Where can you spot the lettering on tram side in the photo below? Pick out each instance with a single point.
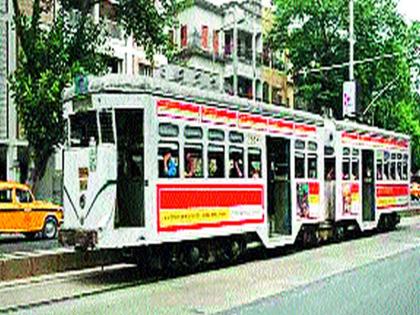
(190, 207)
(392, 196)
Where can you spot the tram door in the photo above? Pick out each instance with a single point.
(368, 185)
(130, 176)
(279, 186)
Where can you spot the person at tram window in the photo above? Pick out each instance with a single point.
(213, 170)
(255, 171)
(169, 165)
(236, 167)
(191, 165)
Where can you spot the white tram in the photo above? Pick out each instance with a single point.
(149, 162)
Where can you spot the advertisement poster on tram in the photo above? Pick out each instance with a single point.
(351, 198)
(307, 200)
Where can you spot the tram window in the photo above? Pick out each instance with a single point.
(379, 170)
(355, 169)
(329, 170)
(312, 146)
(405, 171)
(328, 151)
(346, 151)
(216, 135)
(236, 137)
(193, 132)
(386, 165)
(386, 170)
(83, 127)
(346, 169)
(300, 145)
(168, 159)
(193, 160)
(107, 130)
(299, 165)
(355, 152)
(254, 163)
(216, 160)
(392, 171)
(168, 130)
(312, 166)
(399, 170)
(236, 164)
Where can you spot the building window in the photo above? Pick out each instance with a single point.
(204, 36)
(216, 42)
(145, 70)
(115, 65)
(171, 37)
(184, 36)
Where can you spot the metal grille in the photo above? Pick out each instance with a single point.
(107, 130)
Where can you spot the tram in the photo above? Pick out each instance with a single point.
(150, 163)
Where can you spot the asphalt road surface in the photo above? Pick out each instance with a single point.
(379, 274)
(10, 243)
(388, 286)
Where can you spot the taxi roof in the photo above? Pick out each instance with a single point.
(10, 184)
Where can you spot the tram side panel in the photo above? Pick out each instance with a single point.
(373, 177)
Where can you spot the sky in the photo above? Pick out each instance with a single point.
(409, 8)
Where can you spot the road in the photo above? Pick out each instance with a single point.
(372, 275)
(389, 286)
(18, 243)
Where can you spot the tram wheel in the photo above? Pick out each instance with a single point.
(339, 233)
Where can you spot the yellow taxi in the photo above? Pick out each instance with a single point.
(21, 213)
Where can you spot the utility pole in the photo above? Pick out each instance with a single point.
(235, 55)
(351, 41)
(349, 87)
(254, 55)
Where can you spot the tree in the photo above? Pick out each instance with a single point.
(315, 33)
(52, 53)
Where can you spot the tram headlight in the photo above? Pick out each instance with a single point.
(82, 201)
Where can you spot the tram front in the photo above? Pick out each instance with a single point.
(90, 174)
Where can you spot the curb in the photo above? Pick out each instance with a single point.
(25, 267)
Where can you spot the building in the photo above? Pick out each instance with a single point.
(128, 58)
(12, 149)
(227, 40)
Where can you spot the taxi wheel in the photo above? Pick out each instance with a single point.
(50, 228)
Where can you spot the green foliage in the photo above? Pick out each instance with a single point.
(148, 20)
(50, 56)
(315, 33)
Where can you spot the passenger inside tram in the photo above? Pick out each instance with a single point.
(193, 165)
(169, 165)
(236, 167)
(255, 170)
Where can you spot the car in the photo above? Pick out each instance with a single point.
(21, 213)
